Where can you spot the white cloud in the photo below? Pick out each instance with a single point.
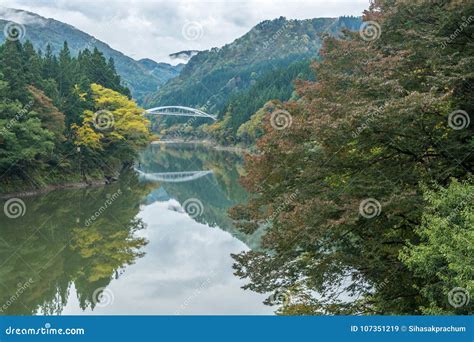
(153, 29)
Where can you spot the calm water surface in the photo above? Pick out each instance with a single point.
(158, 241)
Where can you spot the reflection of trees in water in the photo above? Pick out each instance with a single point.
(217, 192)
(52, 245)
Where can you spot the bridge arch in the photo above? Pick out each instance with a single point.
(179, 111)
(173, 177)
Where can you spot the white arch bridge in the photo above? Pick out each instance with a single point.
(173, 177)
(179, 111)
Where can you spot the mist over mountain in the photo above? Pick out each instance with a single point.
(141, 77)
(184, 55)
(212, 76)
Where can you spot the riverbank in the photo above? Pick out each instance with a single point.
(52, 187)
(208, 143)
(33, 184)
(39, 185)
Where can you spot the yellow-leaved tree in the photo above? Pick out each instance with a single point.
(110, 133)
(116, 121)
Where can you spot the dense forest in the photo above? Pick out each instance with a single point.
(141, 77)
(360, 176)
(212, 75)
(229, 129)
(237, 79)
(63, 118)
(364, 180)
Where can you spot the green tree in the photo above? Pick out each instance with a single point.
(40, 99)
(13, 70)
(339, 189)
(444, 255)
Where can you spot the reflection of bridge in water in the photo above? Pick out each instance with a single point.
(173, 177)
(179, 111)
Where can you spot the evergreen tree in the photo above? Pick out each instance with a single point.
(40, 99)
(13, 70)
(32, 64)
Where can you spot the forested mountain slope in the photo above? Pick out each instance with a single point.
(63, 119)
(212, 76)
(43, 31)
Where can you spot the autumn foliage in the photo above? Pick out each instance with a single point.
(376, 127)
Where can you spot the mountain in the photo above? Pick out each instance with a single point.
(162, 71)
(211, 77)
(141, 77)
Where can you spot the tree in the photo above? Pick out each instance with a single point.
(13, 70)
(51, 118)
(23, 141)
(339, 189)
(114, 130)
(443, 257)
(40, 99)
(32, 64)
(65, 73)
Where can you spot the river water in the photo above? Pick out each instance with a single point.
(158, 241)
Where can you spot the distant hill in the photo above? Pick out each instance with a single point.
(162, 71)
(211, 77)
(142, 77)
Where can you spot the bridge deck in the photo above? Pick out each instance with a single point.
(179, 111)
(174, 177)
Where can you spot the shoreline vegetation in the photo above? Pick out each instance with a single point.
(53, 187)
(34, 191)
(368, 182)
(361, 173)
(210, 143)
(101, 181)
(64, 121)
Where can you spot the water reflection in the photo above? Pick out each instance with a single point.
(217, 186)
(142, 250)
(51, 247)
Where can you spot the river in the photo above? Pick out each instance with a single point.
(157, 241)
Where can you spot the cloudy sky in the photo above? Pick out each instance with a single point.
(156, 28)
